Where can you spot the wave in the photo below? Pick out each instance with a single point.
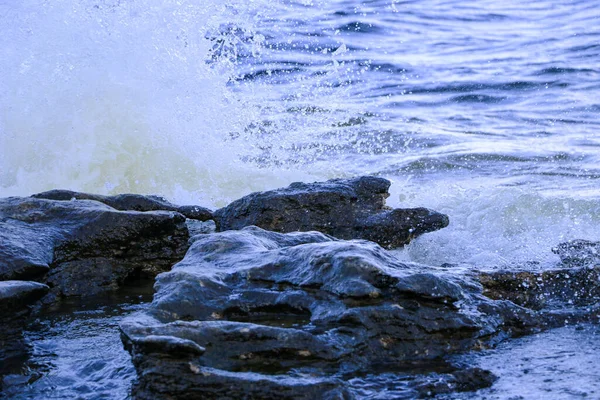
(495, 226)
(113, 97)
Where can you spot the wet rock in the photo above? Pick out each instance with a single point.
(275, 315)
(547, 289)
(579, 253)
(22, 256)
(84, 247)
(16, 297)
(133, 202)
(471, 379)
(421, 383)
(466, 380)
(344, 208)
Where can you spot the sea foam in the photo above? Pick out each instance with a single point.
(113, 97)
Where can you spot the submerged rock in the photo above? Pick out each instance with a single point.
(130, 202)
(344, 208)
(259, 314)
(84, 247)
(570, 289)
(467, 380)
(16, 297)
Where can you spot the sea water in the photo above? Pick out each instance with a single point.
(484, 110)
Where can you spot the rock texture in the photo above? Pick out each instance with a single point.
(344, 208)
(16, 296)
(258, 314)
(15, 299)
(130, 202)
(84, 247)
(544, 290)
(74, 248)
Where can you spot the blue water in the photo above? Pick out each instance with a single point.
(501, 90)
(485, 110)
(559, 364)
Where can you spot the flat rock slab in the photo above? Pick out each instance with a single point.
(259, 314)
(130, 202)
(344, 208)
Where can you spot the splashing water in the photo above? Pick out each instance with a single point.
(116, 97)
(497, 226)
(204, 103)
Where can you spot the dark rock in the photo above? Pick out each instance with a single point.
(22, 256)
(127, 202)
(420, 382)
(579, 253)
(471, 379)
(169, 345)
(545, 289)
(289, 315)
(344, 208)
(84, 247)
(16, 297)
(466, 380)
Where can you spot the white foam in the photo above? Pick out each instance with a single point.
(113, 97)
(491, 225)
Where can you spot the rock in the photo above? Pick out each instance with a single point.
(16, 296)
(126, 202)
(344, 208)
(446, 380)
(578, 253)
(259, 314)
(472, 379)
(467, 380)
(546, 289)
(84, 247)
(15, 299)
(22, 256)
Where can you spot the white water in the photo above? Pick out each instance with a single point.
(130, 96)
(497, 226)
(118, 97)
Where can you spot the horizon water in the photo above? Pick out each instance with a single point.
(486, 111)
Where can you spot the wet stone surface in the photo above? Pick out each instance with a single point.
(266, 315)
(254, 313)
(130, 202)
(84, 247)
(344, 208)
(16, 299)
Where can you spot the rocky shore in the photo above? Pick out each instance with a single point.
(289, 293)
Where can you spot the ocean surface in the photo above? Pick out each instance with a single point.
(485, 110)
